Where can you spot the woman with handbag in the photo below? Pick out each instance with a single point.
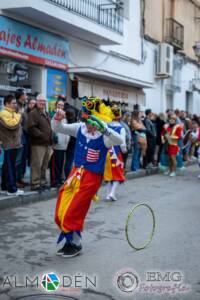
(139, 141)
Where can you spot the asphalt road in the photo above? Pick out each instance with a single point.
(28, 245)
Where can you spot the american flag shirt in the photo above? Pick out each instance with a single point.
(90, 153)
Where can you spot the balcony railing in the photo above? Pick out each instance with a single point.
(174, 34)
(105, 15)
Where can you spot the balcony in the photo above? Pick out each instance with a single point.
(174, 34)
(103, 14)
(101, 24)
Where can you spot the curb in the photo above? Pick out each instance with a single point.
(7, 202)
(30, 197)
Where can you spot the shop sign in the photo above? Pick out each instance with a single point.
(11, 88)
(29, 43)
(114, 93)
(56, 85)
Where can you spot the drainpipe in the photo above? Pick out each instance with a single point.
(162, 81)
(163, 21)
(163, 96)
(172, 9)
(142, 30)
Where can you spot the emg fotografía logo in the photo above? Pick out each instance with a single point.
(157, 282)
(127, 281)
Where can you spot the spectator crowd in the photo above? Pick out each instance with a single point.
(166, 140)
(28, 142)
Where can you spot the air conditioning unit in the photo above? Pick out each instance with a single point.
(196, 84)
(164, 61)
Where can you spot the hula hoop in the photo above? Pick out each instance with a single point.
(131, 213)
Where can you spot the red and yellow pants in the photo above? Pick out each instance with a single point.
(114, 171)
(74, 199)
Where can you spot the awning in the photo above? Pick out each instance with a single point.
(111, 77)
(88, 86)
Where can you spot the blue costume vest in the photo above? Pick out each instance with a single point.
(117, 149)
(91, 154)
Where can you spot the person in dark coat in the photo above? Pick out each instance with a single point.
(40, 138)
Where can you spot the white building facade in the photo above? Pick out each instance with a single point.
(180, 91)
(87, 47)
(103, 49)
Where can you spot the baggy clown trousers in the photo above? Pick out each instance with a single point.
(74, 199)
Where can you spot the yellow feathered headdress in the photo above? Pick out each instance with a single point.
(95, 106)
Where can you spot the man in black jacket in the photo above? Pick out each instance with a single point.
(151, 139)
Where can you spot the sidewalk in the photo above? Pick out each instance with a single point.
(32, 197)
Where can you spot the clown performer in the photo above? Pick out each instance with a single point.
(171, 133)
(93, 139)
(114, 169)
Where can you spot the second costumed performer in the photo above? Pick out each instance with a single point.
(93, 139)
(114, 169)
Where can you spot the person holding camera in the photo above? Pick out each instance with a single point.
(60, 143)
